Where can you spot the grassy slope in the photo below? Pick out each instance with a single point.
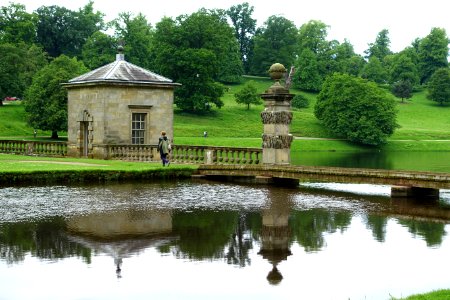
(234, 125)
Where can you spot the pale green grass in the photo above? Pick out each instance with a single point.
(435, 295)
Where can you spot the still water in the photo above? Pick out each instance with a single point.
(203, 240)
(412, 161)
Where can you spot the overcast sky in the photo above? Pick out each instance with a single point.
(357, 20)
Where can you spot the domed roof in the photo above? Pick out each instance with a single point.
(121, 71)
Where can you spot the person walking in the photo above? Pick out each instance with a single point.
(164, 148)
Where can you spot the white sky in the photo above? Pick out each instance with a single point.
(357, 20)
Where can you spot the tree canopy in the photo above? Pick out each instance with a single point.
(197, 51)
(356, 109)
(46, 99)
(439, 86)
(248, 95)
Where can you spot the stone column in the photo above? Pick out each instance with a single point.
(277, 117)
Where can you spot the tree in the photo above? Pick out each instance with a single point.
(375, 71)
(402, 68)
(402, 89)
(137, 35)
(356, 109)
(46, 99)
(380, 49)
(433, 53)
(16, 25)
(62, 31)
(244, 29)
(18, 63)
(98, 50)
(194, 50)
(307, 76)
(248, 95)
(439, 86)
(274, 42)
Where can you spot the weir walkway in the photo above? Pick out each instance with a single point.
(403, 183)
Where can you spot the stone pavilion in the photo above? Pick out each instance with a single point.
(117, 104)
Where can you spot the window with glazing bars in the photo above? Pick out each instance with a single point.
(138, 128)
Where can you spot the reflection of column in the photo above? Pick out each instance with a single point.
(275, 233)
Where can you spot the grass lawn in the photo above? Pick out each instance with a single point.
(425, 125)
(10, 163)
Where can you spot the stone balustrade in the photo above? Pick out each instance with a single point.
(33, 147)
(132, 152)
(215, 155)
(179, 153)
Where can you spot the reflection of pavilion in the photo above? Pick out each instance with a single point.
(121, 234)
(275, 234)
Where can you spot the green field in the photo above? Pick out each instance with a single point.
(424, 125)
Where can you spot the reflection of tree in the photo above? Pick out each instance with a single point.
(431, 232)
(44, 239)
(242, 240)
(308, 226)
(203, 234)
(378, 226)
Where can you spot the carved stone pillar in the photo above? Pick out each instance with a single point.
(277, 117)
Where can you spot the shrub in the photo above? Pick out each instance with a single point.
(300, 101)
(356, 109)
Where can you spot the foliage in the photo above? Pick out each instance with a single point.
(274, 42)
(439, 86)
(16, 25)
(380, 48)
(433, 53)
(307, 76)
(137, 36)
(248, 95)
(18, 64)
(98, 50)
(402, 89)
(244, 29)
(300, 101)
(375, 71)
(403, 68)
(62, 31)
(355, 109)
(195, 51)
(46, 99)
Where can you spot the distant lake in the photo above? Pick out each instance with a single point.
(203, 240)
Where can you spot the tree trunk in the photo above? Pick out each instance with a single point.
(54, 135)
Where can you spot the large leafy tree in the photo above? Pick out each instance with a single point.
(307, 77)
(375, 71)
(381, 47)
(244, 29)
(194, 50)
(46, 99)
(439, 86)
(99, 50)
(16, 25)
(433, 53)
(18, 63)
(274, 42)
(62, 31)
(137, 35)
(403, 68)
(356, 109)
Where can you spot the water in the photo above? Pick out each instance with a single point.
(203, 240)
(413, 161)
